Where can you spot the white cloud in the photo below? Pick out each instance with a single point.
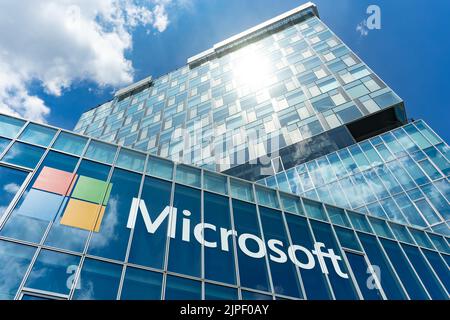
(56, 43)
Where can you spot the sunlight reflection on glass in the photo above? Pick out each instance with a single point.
(251, 70)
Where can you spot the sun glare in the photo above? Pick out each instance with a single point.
(252, 71)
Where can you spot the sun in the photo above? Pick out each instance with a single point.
(251, 70)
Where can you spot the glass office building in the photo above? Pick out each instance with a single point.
(401, 175)
(275, 165)
(287, 86)
(85, 219)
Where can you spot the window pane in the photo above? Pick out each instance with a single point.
(98, 281)
(156, 197)
(284, 275)
(160, 168)
(401, 233)
(185, 256)
(241, 190)
(188, 175)
(37, 134)
(381, 228)
(112, 237)
(44, 197)
(101, 152)
(249, 295)
(291, 204)
(24, 155)
(404, 271)
(313, 279)
(360, 271)
(3, 144)
(219, 262)
(69, 235)
(182, 289)
(141, 285)
(14, 262)
(314, 210)
(338, 216)
(215, 182)
(424, 272)
(10, 182)
(389, 282)
(267, 197)
(70, 143)
(253, 271)
(342, 287)
(359, 221)
(347, 238)
(131, 160)
(215, 292)
(53, 271)
(439, 267)
(9, 127)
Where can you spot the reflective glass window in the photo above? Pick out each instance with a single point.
(252, 270)
(69, 235)
(10, 182)
(389, 281)
(43, 199)
(14, 262)
(188, 175)
(314, 280)
(439, 267)
(10, 127)
(132, 160)
(219, 261)
(59, 270)
(38, 134)
(3, 144)
(24, 155)
(401, 233)
(160, 168)
(284, 275)
(314, 209)
(424, 272)
(98, 281)
(267, 197)
(70, 143)
(215, 292)
(141, 284)
(439, 242)
(381, 228)
(182, 289)
(405, 272)
(112, 237)
(291, 204)
(100, 151)
(215, 182)
(155, 199)
(338, 216)
(185, 253)
(360, 271)
(250, 295)
(342, 286)
(347, 238)
(359, 221)
(421, 238)
(241, 190)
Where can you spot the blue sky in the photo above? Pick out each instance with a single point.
(410, 52)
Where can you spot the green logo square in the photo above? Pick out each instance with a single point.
(92, 190)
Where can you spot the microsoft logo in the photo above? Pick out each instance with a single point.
(86, 198)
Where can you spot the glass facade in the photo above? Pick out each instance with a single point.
(79, 225)
(142, 213)
(401, 175)
(291, 81)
